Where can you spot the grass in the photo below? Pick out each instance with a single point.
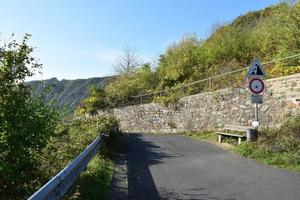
(94, 182)
(286, 160)
(205, 135)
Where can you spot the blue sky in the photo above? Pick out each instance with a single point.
(81, 39)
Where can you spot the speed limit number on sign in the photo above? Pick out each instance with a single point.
(256, 85)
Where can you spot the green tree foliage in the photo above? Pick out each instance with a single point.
(96, 100)
(26, 124)
(278, 34)
(72, 137)
(34, 144)
(179, 62)
(268, 34)
(120, 91)
(228, 46)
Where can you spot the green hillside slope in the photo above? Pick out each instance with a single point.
(66, 93)
(268, 34)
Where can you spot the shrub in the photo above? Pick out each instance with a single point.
(280, 70)
(171, 98)
(285, 138)
(277, 146)
(74, 136)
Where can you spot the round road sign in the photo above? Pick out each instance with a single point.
(256, 85)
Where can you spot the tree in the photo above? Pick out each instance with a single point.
(141, 80)
(278, 35)
(127, 61)
(179, 62)
(95, 101)
(26, 123)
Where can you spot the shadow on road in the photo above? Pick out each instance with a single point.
(141, 155)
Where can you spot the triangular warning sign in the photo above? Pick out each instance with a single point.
(256, 69)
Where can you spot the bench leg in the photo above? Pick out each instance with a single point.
(239, 140)
(220, 138)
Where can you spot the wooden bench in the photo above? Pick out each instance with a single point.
(228, 128)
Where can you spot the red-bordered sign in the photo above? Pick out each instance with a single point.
(256, 85)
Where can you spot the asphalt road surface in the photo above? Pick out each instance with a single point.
(175, 167)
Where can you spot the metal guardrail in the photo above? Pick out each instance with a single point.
(57, 187)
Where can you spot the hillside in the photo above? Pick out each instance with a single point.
(267, 34)
(66, 93)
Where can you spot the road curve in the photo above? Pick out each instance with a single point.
(175, 167)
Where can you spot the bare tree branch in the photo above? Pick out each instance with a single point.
(127, 61)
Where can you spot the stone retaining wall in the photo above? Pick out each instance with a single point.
(215, 109)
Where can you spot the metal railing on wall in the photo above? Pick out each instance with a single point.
(58, 186)
(143, 98)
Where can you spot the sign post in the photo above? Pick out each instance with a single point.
(255, 78)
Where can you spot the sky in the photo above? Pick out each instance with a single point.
(82, 38)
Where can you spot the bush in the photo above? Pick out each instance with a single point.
(171, 98)
(73, 137)
(285, 138)
(94, 183)
(246, 149)
(279, 70)
(120, 92)
(278, 146)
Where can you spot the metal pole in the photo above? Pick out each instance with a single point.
(256, 114)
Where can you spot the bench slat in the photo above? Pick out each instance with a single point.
(233, 128)
(236, 128)
(230, 134)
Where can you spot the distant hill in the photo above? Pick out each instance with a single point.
(66, 93)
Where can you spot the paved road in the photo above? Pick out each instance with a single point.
(175, 167)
